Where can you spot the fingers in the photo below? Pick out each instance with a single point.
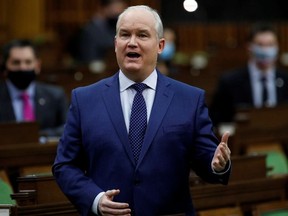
(107, 206)
(219, 163)
(225, 151)
(222, 155)
(225, 137)
(111, 193)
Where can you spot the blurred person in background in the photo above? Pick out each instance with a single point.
(166, 57)
(22, 98)
(259, 84)
(97, 38)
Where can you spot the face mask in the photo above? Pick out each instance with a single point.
(21, 79)
(168, 52)
(264, 54)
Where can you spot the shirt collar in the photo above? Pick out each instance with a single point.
(150, 81)
(15, 92)
(255, 73)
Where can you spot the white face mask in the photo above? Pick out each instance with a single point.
(168, 51)
(264, 54)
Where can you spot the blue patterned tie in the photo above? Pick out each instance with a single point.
(264, 91)
(138, 120)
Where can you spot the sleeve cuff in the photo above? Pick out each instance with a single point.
(96, 202)
(226, 169)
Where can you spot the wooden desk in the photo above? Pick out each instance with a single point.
(257, 126)
(13, 133)
(39, 195)
(27, 155)
(16, 158)
(242, 193)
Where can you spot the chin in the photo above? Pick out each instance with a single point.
(132, 68)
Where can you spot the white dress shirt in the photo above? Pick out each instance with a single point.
(256, 85)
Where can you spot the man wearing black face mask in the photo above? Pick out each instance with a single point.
(24, 99)
(97, 37)
(259, 84)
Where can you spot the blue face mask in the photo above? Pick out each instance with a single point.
(264, 54)
(168, 52)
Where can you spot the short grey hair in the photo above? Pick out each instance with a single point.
(158, 23)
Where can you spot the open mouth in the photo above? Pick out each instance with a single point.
(133, 55)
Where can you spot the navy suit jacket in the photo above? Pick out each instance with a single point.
(234, 92)
(50, 105)
(94, 153)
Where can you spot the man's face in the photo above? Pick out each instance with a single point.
(137, 45)
(22, 59)
(264, 49)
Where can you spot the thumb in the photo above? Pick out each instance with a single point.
(225, 137)
(111, 193)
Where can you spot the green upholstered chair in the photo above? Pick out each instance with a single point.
(6, 190)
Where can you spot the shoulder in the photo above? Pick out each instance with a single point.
(181, 88)
(49, 87)
(95, 87)
(282, 73)
(235, 75)
(50, 91)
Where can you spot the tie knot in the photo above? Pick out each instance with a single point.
(263, 79)
(139, 87)
(24, 96)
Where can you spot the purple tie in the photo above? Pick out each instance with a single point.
(138, 120)
(28, 113)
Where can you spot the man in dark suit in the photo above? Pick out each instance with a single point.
(109, 162)
(96, 40)
(45, 103)
(259, 84)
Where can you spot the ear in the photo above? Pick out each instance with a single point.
(161, 45)
(38, 66)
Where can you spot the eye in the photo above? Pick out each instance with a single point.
(124, 34)
(16, 62)
(143, 35)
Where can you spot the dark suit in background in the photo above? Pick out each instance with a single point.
(47, 104)
(259, 84)
(50, 107)
(234, 92)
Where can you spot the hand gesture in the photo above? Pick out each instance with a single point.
(107, 206)
(222, 154)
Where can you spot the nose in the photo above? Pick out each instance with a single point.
(23, 66)
(132, 41)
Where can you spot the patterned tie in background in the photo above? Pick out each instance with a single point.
(264, 92)
(28, 112)
(138, 120)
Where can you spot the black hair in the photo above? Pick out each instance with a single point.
(21, 43)
(257, 28)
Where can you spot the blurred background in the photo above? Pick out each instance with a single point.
(209, 40)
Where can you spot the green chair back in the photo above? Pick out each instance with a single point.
(5, 193)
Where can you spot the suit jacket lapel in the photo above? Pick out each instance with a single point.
(280, 83)
(161, 103)
(112, 101)
(247, 87)
(39, 102)
(6, 109)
